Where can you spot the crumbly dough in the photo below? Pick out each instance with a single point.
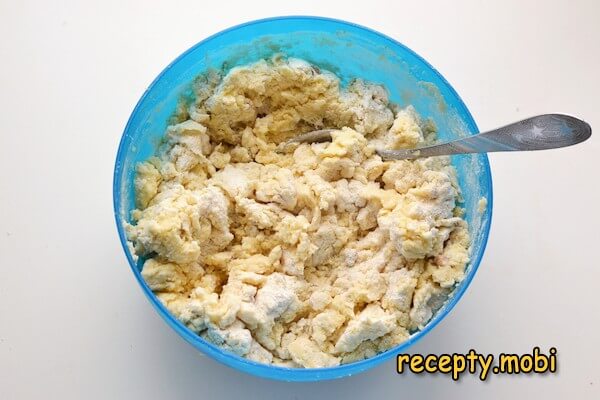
(309, 256)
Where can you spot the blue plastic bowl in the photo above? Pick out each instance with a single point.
(349, 51)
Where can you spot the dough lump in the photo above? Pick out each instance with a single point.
(301, 256)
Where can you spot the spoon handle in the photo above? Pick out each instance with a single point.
(542, 132)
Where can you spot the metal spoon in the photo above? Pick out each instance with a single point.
(542, 132)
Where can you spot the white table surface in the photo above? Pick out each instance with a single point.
(73, 322)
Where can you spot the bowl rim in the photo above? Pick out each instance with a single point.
(278, 372)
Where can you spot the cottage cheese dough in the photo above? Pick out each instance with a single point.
(302, 257)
